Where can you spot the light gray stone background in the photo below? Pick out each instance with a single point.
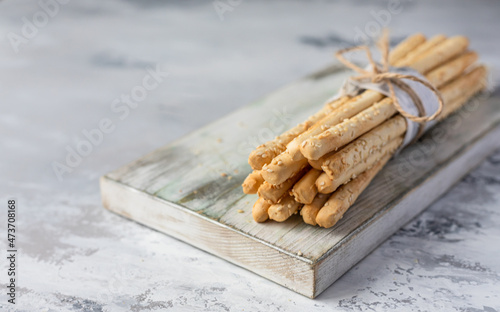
(61, 77)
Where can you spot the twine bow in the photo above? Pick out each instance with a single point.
(383, 75)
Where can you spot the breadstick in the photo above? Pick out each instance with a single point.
(274, 193)
(451, 69)
(264, 153)
(259, 210)
(284, 209)
(317, 163)
(360, 149)
(338, 203)
(252, 182)
(305, 189)
(419, 50)
(405, 47)
(455, 104)
(327, 185)
(348, 130)
(439, 54)
(291, 161)
(310, 211)
(459, 86)
(349, 109)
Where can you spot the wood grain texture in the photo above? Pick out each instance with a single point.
(190, 189)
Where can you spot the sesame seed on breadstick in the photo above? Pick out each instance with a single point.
(284, 209)
(252, 182)
(274, 193)
(317, 163)
(305, 189)
(341, 200)
(310, 211)
(259, 210)
(264, 153)
(360, 149)
(348, 130)
(327, 185)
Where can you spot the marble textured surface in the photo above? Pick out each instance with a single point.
(63, 79)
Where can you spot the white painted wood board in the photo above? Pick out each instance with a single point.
(180, 190)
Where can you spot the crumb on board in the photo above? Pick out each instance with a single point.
(299, 253)
(219, 140)
(240, 211)
(235, 171)
(180, 191)
(195, 192)
(223, 174)
(229, 177)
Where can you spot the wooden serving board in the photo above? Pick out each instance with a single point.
(181, 189)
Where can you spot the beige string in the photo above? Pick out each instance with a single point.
(378, 74)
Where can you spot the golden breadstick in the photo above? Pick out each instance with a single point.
(455, 104)
(326, 185)
(338, 203)
(348, 130)
(252, 182)
(310, 211)
(264, 153)
(259, 210)
(291, 161)
(305, 189)
(284, 209)
(441, 53)
(349, 109)
(359, 150)
(451, 69)
(460, 85)
(274, 193)
(405, 47)
(419, 50)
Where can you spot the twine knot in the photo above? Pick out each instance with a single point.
(378, 74)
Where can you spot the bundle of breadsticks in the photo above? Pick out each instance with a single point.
(321, 166)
